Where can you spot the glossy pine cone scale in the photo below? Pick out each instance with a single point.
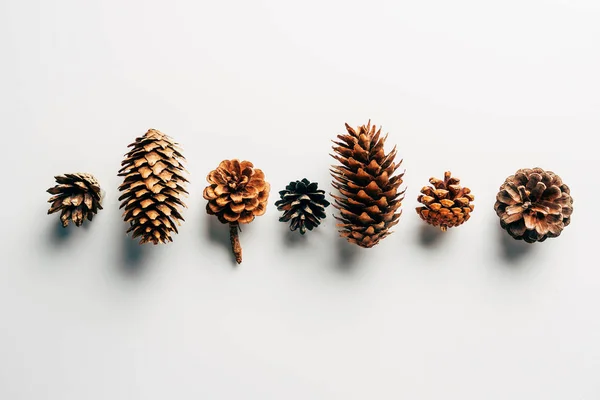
(237, 192)
(445, 204)
(534, 205)
(369, 199)
(77, 196)
(303, 205)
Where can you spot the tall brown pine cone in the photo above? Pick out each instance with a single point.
(237, 193)
(445, 204)
(153, 187)
(369, 198)
(534, 205)
(77, 196)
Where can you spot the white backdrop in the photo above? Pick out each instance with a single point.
(480, 88)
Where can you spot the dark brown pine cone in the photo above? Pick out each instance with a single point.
(303, 205)
(445, 204)
(534, 205)
(77, 196)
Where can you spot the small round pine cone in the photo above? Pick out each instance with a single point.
(445, 204)
(237, 194)
(534, 205)
(77, 196)
(303, 205)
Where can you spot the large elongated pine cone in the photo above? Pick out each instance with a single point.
(369, 198)
(237, 193)
(534, 205)
(445, 204)
(153, 187)
(77, 196)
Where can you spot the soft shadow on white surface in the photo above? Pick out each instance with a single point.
(431, 237)
(57, 234)
(133, 256)
(293, 239)
(514, 252)
(348, 256)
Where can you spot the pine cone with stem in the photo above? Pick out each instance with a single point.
(153, 187)
(77, 196)
(534, 205)
(236, 194)
(369, 198)
(445, 204)
(303, 205)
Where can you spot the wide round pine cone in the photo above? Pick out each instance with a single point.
(153, 186)
(237, 192)
(445, 204)
(77, 196)
(303, 205)
(369, 198)
(534, 205)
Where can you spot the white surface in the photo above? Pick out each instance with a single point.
(478, 87)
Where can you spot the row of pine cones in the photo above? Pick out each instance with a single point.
(532, 205)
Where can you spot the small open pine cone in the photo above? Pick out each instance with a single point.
(303, 205)
(236, 194)
(77, 196)
(534, 205)
(445, 204)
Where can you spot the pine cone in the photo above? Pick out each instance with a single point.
(534, 205)
(369, 193)
(153, 187)
(303, 204)
(78, 196)
(237, 194)
(445, 204)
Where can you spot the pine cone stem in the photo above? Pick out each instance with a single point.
(235, 242)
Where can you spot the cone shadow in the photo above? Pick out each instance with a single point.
(133, 255)
(430, 236)
(218, 233)
(58, 234)
(293, 238)
(347, 255)
(513, 250)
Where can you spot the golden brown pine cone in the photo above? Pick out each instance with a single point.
(77, 196)
(237, 193)
(153, 187)
(369, 198)
(534, 205)
(445, 204)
